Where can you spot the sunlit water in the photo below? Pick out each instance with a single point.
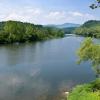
(41, 70)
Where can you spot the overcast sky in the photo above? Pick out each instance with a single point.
(48, 11)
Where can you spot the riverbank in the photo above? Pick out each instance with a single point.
(89, 91)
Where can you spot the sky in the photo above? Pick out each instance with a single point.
(48, 11)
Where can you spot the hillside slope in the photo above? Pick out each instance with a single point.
(90, 28)
(15, 31)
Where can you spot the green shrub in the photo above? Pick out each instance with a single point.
(86, 92)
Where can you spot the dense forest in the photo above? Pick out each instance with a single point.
(15, 31)
(90, 28)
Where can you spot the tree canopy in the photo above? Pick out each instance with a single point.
(89, 51)
(15, 31)
(95, 5)
(90, 28)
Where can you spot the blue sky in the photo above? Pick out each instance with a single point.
(48, 11)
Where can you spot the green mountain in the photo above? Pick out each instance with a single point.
(68, 28)
(65, 25)
(90, 28)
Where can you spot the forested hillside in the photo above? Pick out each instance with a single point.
(15, 31)
(90, 28)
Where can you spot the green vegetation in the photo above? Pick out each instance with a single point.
(86, 92)
(14, 31)
(89, 29)
(69, 30)
(89, 51)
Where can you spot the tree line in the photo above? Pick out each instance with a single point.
(89, 29)
(16, 31)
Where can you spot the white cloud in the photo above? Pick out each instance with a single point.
(84, 15)
(41, 16)
(76, 14)
(64, 16)
(13, 16)
(30, 11)
(56, 15)
(26, 14)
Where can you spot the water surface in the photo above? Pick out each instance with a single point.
(41, 70)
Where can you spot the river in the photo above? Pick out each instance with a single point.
(41, 70)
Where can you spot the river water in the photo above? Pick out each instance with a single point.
(41, 70)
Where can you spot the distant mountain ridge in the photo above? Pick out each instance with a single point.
(65, 25)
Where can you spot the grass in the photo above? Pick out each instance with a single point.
(86, 92)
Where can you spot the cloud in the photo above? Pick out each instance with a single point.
(56, 15)
(26, 14)
(42, 16)
(79, 14)
(33, 11)
(64, 16)
(76, 14)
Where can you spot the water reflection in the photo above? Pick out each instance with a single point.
(41, 70)
(22, 86)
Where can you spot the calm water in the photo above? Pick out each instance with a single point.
(41, 70)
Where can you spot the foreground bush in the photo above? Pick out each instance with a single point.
(86, 92)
